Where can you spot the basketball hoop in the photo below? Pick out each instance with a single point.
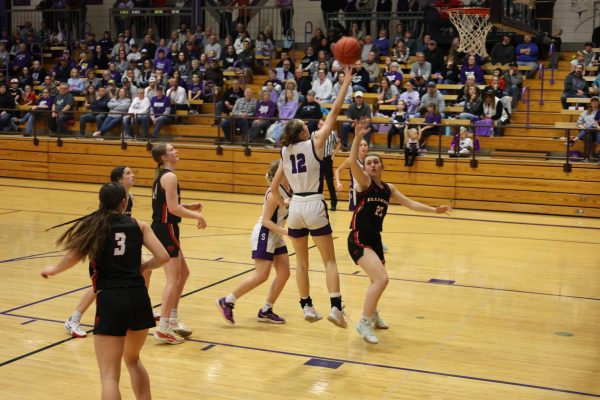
(473, 26)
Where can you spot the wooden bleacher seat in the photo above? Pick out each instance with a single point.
(450, 86)
(454, 109)
(578, 100)
(566, 125)
(571, 112)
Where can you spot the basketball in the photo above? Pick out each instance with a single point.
(347, 50)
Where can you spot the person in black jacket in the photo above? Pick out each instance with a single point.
(228, 100)
(7, 106)
(303, 83)
(331, 6)
(310, 111)
(503, 52)
(575, 86)
(98, 109)
(360, 79)
(435, 57)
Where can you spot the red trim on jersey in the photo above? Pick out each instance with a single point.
(173, 237)
(357, 240)
(165, 213)
(357, 209)
(94, 276)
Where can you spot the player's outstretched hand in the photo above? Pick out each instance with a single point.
(443, 210)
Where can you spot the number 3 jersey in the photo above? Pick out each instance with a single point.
(118, 264)
(302, 167)
(371, 208)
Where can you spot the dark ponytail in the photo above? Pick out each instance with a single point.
(87, 235)
(117, 173)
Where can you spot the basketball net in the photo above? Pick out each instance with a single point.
(472, 30)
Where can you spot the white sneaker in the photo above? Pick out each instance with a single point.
(74, 329)
(365, 330)
(182, 329)
(167, 337)
(378, 322)
(384, 247)
(336, 317)
(311, 315)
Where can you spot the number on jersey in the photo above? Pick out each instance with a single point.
(120, 248)
(379, 211)
(298, 163)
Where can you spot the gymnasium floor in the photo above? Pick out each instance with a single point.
(480, 305)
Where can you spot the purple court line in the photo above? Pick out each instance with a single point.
(394, 367)
(46, 299)
(43, 319)
(29, 256)
(28, 322)
(389, 213)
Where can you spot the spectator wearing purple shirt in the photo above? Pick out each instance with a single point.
(264, 112)
(162, 63)
(22, 58)
(160, 112)
(114, 74)
(434, 118)
(471, 68)
(411, 98)
(394, 76)
(383, 43)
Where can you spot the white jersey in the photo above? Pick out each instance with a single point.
(266, 244)
(281, 213)
(352, 191)
(302, 167)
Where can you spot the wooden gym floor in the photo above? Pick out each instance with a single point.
(480, 305)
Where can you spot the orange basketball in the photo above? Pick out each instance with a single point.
(347, 50)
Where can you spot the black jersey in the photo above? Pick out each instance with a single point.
(160, 213)
(118, 264)
(371, 207)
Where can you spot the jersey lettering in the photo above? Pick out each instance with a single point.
(120, 239)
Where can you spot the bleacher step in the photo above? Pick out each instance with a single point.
(518, 154)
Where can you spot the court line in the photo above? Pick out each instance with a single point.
(46, 299)
(10, 212)
(399, 368)
(29, 256)
(389, 213)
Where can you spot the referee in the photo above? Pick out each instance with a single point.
(332, 147)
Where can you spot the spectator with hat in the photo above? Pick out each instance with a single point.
(590, 58)
(130, 88)
(150, 90)
(134, 53)
(356, 112)
(513, 79)
(433, 96)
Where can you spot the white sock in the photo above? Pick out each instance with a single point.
(174, 314)
(336, 294)
(266, 307)
(230, 298)
(367, 320)
(163, 324)
(76, 316)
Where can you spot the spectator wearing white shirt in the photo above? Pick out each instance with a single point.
(322, 87)
(178, 96)
(139, 105)
(213, 45)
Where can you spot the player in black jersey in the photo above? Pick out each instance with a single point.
(124, 176)
(166, 214)
(364, 240)
(113, 243)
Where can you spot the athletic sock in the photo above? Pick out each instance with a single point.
(173, 318)
(367, 320)
(305, 301)
(163, 324)
(76, 316)
(230, 298)
(336, 300)
(174, 314)
(266, 307)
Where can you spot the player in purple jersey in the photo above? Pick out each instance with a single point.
(364, 241)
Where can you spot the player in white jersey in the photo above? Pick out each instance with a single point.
(362, 153)
(268, 249)
(302, 166)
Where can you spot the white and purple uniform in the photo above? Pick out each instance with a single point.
(352, 190)
(304, 172)
(267, 244)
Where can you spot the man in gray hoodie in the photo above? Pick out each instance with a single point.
(434, 96)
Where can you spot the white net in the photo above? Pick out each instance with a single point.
(472, 30)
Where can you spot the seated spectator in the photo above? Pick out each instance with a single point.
(50, 85)
(336, 89)
(76, 84)
(214, 73)
(387, 95)
(310, 111)
(61, 72)
(22, 58)
(398, 120)
(84, 65)
(229, 58)
(464, 93)
(242, 110)
(264, 45)
(161, 79)
(497, 73)
(434, 119)
(15, 91)
(62, 110)
(7, 106)
(228, 100)
(575, 86)
(285, 72)
(590, 58)
(322, 87)
(140, 105)
(357, 111)
(421, 67)
(4, 56)
(264, 113)
(114, 73)
(196, 87)
(400, 52)
(588, 125)
(98, 107)
(308, 58)
(134, 54)
(117, 106)
(162, 63)
(28, 98)
(493, 108)
(37, 73)
(372, 67)
(433, 96)
(527, 55)
(435, 57)
(495, 87)
(160, 113)
(394, 75)
(286, 111)
(100, 59)
(277, 83)
(367, 47)
(383, 43)
(513, 82)
(289, 85)
(450, 74)
(322, 65)
(303, 83)
(121, 62)
(37, 112)
(214, 46)
(177, 96)
(471, 68)
(183, 65)
(285, 57)
(578, 60)
(360, 79)
(464, 147)
(411, 98)
(503, 52)
(473, 105)
(247, 60)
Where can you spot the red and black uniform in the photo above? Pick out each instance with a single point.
(122, 301)
(164, 224)
(367, 221)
